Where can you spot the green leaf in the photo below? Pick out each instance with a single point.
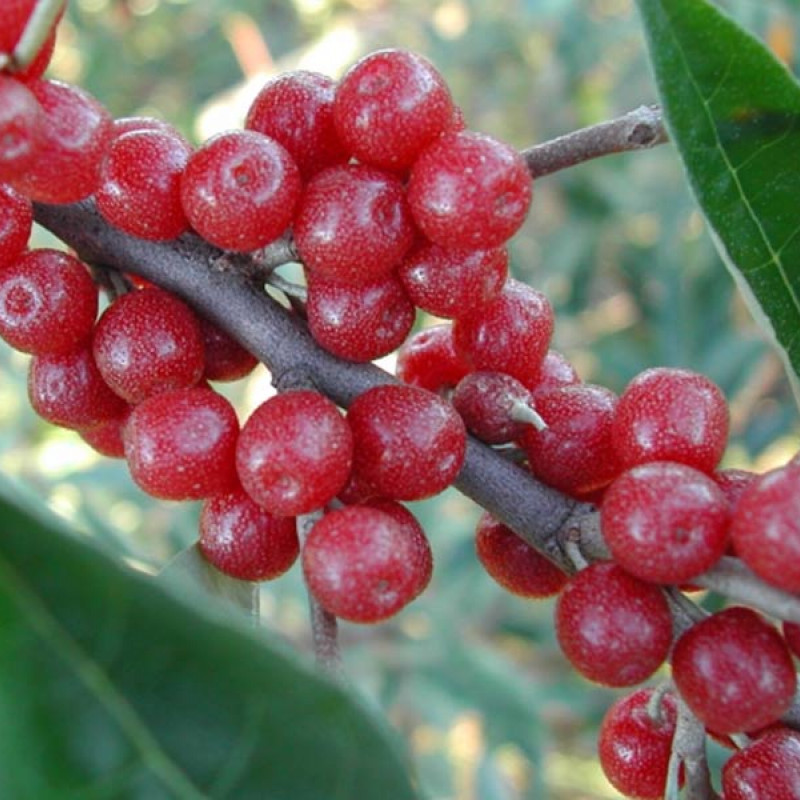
(112, 687)
(189, 569)
(733, 111)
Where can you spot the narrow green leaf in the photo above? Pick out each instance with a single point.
(733, 111)
(189, 568)
(113, 688)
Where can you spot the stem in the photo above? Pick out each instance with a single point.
(639, 129)
(281, 341)
(689, 749)
(36, 31)
(522, 412)
(324, 628)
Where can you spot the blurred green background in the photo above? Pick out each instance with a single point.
(470, 675)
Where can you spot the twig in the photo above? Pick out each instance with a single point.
(689, 750)
(639, 129)
(37, 29)
(324, 628)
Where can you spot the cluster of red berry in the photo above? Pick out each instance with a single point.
(394, 205)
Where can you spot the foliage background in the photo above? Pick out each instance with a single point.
(470, 675)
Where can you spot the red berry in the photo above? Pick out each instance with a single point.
(635, 746)
(48, 303)
(668, 414)
(296, 110)
(16, 222)
(513, 563)
(76, 131)
(68, 390)
(243, 540)
(140, 184)
(123, 125)
(21, 121)
(767, 769)
(361, 564)
(734, 671)
(239, 190)
(615, 629)
(408, 443)
(733, 483)
(492, 405)
(665, 522)
(765, 530)
(358, 323)
(453, 283)
(428, 359)
(294, 453)
(181, 445)
(148, 341)
(225, 359)
(468, 190)
(353, 224)
(106, 436)
(573, 453)
(421, 555)
(510, 334)
(554, 372)
(389, 106)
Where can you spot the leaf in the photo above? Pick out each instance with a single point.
(113, 688)
(733, 111)
(189, 568)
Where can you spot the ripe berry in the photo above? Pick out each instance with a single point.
(635, 746)
(513, 563)
(21, 120)
(239, 190)
(767, 768)
(225, 359)
(668, 414)
(358, 323)
(106, 436)
(791, 635)
(361, 564)
(75, 134)
(243, 540)
(734, 671)
(16, 222)
(468, 190)
(148, 341)
(296, 110)
(765, 530)
(494, 406)
(554, 372)
(353, 224)
(180, 445)
(408, 443)
(453, 283)
(615, 629)
(733, 483)
(48, 303)
(573, 453)
(140, 183)
(665, 522)
(68, 390)
(510, 334)
(428, 359)
(389, 106)
(422, 556)
(294, 453)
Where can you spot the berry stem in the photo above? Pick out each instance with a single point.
(689, 749)
(324, 628)
(38, 28)
(639, 129)
(522, 412)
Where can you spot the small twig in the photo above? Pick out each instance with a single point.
(276, 254)
(37, 29)
(522, 412)
(689, 750)
(639, 129)
(324, 628)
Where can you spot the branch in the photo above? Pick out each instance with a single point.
(189, 267)
(639, 129)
